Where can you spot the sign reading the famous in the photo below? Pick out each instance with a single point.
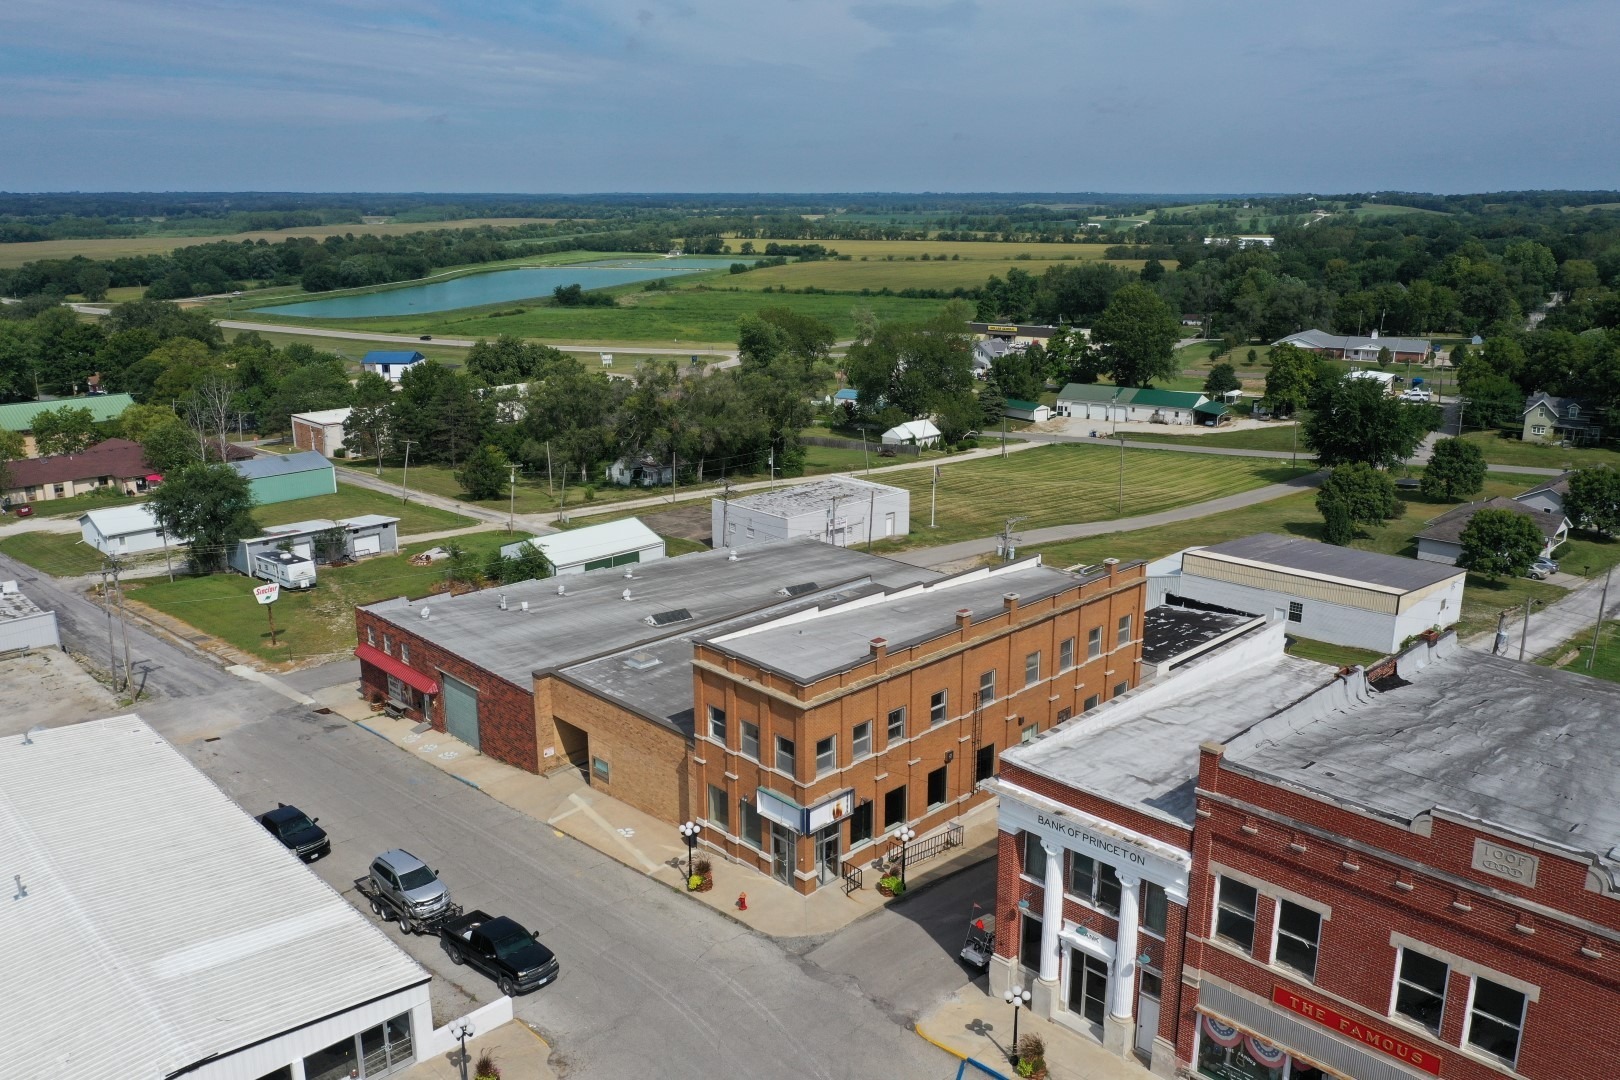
(1399, 1049)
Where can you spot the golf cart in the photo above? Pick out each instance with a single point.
(981, 941)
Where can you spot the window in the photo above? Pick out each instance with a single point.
(1066, 654)
(1094, 882)
(1234, 913)
(371, 636)
(937, 708)
(750, 739)
(984, 764)
(1420, 988)
(860, 743)
(1029, 942)
(601, 768)
(894, 807)
(1092, 702)
(405, 651)
(717, 725)
(1122, 635)
(1032, 669)
(987, 687)
(897, 725)
(1299, 929)
(1121, 689)
(1538, 429)
(388, 645)
(1034, 857)
(1296, 611)
(826, 755)
(719, 809)
(938, 786)
(753, 829)
(784, 756)
(1155, 908)
(1031, 730)
(1094, 643)
(1496, 1019)
(860, 823)
(398, 691)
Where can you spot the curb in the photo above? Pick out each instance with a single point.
(957, 1054)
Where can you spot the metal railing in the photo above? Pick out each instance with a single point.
(852, 879)
(929, 846)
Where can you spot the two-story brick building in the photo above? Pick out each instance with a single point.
(823, 731)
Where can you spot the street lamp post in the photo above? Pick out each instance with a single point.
(1017, 999)
(689, 835)
(906, 835)
(463, 1030)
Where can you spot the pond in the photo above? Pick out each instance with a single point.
(494, 287)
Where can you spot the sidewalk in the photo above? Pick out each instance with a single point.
(519, 1053)
(972, 1024)
(566, 803)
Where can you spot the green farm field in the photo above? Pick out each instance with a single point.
(977, 250)
(877, 274)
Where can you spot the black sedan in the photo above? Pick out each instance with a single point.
(297, 831)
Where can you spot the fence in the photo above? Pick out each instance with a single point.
(873, 447)
(929, 846)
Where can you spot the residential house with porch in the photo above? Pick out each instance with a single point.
(1549, 419)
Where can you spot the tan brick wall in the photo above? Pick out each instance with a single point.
(650, 766)
(309, 436)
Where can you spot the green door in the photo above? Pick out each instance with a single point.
(460, 710)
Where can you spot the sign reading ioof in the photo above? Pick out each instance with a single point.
(1505, 862)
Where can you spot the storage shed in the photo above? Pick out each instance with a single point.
(122, 530)
(596, 547)
(278, 478)
(841, 511)
(370, 534)
(912, 433)
(1033, 411)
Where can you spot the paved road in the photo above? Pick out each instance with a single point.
(1551, 626)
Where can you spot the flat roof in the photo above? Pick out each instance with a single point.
(815, 496)
(1142, 749)
(825, 639)
(257, 468)
(14, 603)
(1346, 564)
(162, 925)
(1168, 631)
(596, 541)
(591, 618)
(1530, 749)
(323, 416)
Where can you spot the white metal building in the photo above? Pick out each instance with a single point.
(1327, 593)
(156, 930)
(23, 623)
(596, 547)
(912, 433)
(368, 534)
(320, 431)
(839, 510)
(122, 530)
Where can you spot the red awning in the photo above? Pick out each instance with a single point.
(403, 672)
(154, 478)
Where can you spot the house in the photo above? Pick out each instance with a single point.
(1342, 595)
(320, 540)
(595, 547)
(1441, 541)
(278, 478)
(986, 352)
(1033, 411)
(1127, 404)
(1193, 318)
(912, 433)
(320, 431)
(115, 465)
(1021, 334)
(215, 953)
(23, 623)
(122, 530)
(1549, 419)
(1359, 349)
(1243, 240)
(839, 510)
(642, 471)
(847, 396)
(19, 416)
(1548, 497)
(390, 363)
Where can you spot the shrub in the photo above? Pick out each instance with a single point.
(893, 883)
(485, 1068)
(590, 493)
(702, 868)
(694, 882)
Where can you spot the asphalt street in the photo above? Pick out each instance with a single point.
(652, 985)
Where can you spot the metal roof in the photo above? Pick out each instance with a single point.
(596, 541)
(392, 356)
(1321, 339)
(121, 520)
(815, 497)
(19, 416)
(323, 416)
(1345, 564)
(281, 464)
(161, 925)
(1104, 393)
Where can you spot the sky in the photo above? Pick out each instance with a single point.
(809, 95)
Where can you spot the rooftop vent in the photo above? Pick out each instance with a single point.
(503, 601)
(665, 618)
(625, 595)
(733, 556)
(627, 574)
(523, 605)
(562, 590)
(641, 661)
(425, 612)
(798, 590)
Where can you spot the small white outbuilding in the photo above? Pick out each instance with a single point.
(912, 433)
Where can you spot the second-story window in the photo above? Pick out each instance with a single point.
(1066, 654)
(860, 741)
(371, 636)
(1094, 882)
(784, 756)
(1299, 933)
(826, 755)
(897, 725)
(717, 725)
(405, 651)
(750, 739)
(1420, 988)
(1234, 913)
(987, 687)
(1496, 1019)
(388, 645)
(1122, 633)
(938, 706)
(1094, 643)
(1032, 669)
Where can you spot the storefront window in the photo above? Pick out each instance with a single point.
(753, 833)
(1229, 1053)
(336, 1062)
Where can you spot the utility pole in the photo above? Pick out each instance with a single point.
(1524, 630)
(674, 479)
(1007, 538)
(871, 517)
(511, 501)
(725, 514)
(1603, 605)
(123, 624)
(933, 497)
(1004, 432)
(106, 602)
(1501, 632)
(550, 491)
(404, 492)
(865, 456)
(1119, 510)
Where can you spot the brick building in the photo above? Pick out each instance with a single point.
(1410, 872)
(822, 731)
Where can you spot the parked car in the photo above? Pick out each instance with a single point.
(298, 832)
(502, 949)
(1416, 394)
(1542, 569)
(401, 886)
(24, 511)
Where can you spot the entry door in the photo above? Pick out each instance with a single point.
(782, 853)
(1147, 1013)
(460, 710)
(827, 854)
(1088, 986)
(888, 525)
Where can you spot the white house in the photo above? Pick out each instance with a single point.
(1441, 541)
(320, 431)
(643, 471)
(1548, 497)
(596, 547)
(912, 433)
(838, 510)
(1323, 592)
(122, 530)
(1101, 401)
(155, 929)
(390, 363)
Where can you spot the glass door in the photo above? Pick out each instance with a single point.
(782, 852)
(1088, 986)
(827, 862)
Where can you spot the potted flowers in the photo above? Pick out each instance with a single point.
(485, 1068)
(1031, 1057)
(702, 879)
(890, 885)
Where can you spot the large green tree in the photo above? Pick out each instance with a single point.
(1367, 494)
(1500, 543)
(1222, 380)
(1137, 334)
(510, 359)
(1291, 379)
(914, 367)
(210, 507)
(65, 430)
(485, 474)
(1593, 502)
(1456, 470)
(1355, 420)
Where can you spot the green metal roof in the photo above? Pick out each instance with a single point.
(1021, 405)
(1095, 392)
(20, 415)
(1211, 408)
(1175, 399)
(1103, 393)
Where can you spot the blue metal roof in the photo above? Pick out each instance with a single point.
(392, 356)
(847, 394)
(281, 464)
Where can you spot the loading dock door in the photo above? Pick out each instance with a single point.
(460, 710)
(367, 545)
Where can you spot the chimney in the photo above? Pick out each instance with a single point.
(1112, 564)
(880, 651)
(964, 616)
(1009, 602)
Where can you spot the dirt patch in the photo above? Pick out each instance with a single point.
(687, 522)
(48, 687)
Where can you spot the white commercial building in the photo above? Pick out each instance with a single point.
(1323, 592)
(23, 623)
(596, 547)
(122, 530)
(839, 510)
(321, 431)
(156, 930)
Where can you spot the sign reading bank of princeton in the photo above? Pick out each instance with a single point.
(1333, 1020)
(1121, 854)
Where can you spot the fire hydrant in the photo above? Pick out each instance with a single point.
(742, 901)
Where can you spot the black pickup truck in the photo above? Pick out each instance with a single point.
(500, 948)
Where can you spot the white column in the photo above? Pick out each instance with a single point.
(1051, 912)
(1124, 974)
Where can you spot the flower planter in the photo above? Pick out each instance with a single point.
(884, 890)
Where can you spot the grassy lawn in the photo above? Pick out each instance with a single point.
(351, 501)
(57, 554)
(1272, 437)
(1324, 652)
(315, 623)
(680, 545)
(1513, 451)
(55, 508)
(1606, 665)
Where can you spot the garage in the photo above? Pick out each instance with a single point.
(367, 545)
(460, 710)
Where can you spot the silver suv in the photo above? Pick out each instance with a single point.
(408, 886)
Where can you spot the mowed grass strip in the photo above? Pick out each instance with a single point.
(57, 554)
(352, 501)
